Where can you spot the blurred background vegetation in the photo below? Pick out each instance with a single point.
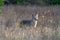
(30, 2)
(1, 2)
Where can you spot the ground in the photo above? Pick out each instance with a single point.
(48, 27)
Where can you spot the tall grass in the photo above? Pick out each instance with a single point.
(43, 31)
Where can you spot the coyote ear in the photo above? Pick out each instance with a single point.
(32, 15)
(36, 16)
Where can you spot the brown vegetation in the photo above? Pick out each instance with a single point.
(47, 27)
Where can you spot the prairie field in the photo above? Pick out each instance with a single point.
(48, 26)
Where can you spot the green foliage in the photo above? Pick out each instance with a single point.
(54, 2)
(33, 2)
(40, 2)
(21, 2)
(1, 2)
(25, 2)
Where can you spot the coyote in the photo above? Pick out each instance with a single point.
(32, 22)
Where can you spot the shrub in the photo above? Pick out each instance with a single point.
(33, 2)
(1, 2)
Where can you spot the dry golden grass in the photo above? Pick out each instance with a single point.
(47, 27)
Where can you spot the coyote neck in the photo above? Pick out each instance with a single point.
(36, 20)
(35, 24)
